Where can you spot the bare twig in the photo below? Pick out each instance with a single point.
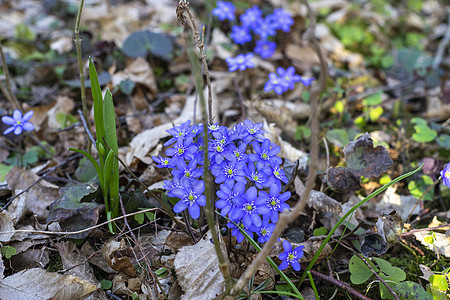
(8, 90)
(442, 45)
(342, 285)
(287, 217)
(86, 127)
(80, 65)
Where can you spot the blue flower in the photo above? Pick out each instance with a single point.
(278, 85)
(182, 150)
(162, 162)
(306, 81)
(228, 201)
(178, 132)
(258, 177)
(241, 62)
(224, 10)
(229, 172)
(233, 153)
(265, 154)
(275, 201)
(252, 208)
(289, 76)
(264, 28)
(276, 176)
(18, 122)
(190, 172)
(191, 197)
(265, 49)
(290, 257)
(265, 231)
(240, 34)
(253, 131)
(237, 232)
(281, 19)
(251, 17)
(216, 152)
(445, 173)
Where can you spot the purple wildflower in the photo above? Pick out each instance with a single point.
(241, 62)
(18, 122)
(265, 49)
(224, 10)
(290, 257)
(445, 174)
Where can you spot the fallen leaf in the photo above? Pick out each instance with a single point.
(39, 197)
(72, 256)
(440, 245)
(6, 225)
(119, 257)
(71, 213)
(37, 283)
(317, 200)
(342, 179)
(31, 258)
(197, 269)
(365, 160)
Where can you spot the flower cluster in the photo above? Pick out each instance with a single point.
(18, 122)
(252, 20)
(244, 164)
(284, 80)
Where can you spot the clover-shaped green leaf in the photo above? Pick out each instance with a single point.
(359, 271)
(409, 290)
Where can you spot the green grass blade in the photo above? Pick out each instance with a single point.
(92, 160)
(98, 101)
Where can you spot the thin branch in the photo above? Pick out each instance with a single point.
(86, 127)
(342, 285)
(287, 217)
(442, 46)
(8, 90)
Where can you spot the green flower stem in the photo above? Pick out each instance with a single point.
(341, 220)
(313, 285)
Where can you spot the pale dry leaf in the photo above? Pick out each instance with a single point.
(197, 269)
(317, 200)
(64, 105)
(120, 257)
(145, 141)
(39, 197)
(401, 203)
(2, 268)
(96, 258)
(18, 207)
(6, 227)
(38, 284)
(441, 245)
(138, 71)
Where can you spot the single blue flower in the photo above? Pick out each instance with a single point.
(276, 176)
(290, 257)
(264, 231)
(182, 150)
(237, 232)
(252, 208)
(18, 122)
(241, 62)
(216, 152)
(178, 132)
(258, 177)
(281, 19)
(264, 28)
(251, 17)
(229, 172)
(224, 11)
(265, 154)
(445, 174)
(307, 81)
(253, 131)
(277, 84)
(240, 34)
(170, 185)
(265, 49)
(228, 201)
(233, 153)
(190, 172)
(191, 197)
(275, 201)
(162, 162)
(289, 76)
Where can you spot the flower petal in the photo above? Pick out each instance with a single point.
(180, 206)
(18, 130)
(8, 120)
(17, 115)
(27, 116)
(9, 130)
(28, 126)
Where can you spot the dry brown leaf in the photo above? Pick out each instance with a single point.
(138, 71)
(198, 270)
(39, 197)
(37, 284)
(318, 200)
(72, 256)
(63, 105)
(119, 257)
(31, 258)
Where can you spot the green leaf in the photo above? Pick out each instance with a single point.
(411, 291)
(443, 141)
(86, 171)
(418, 187)
(98, 101)
(107, 170)
(106, 284)
(141, 43)
(139, 218)
(161, 272)
(392, 273)
(440, 281)
(4, 170)
(424, 134)
(8, 251)
(127, 86)
(373, 100)
(302, 132)
(93, 162)
(375, 113)
(65, 120)
(320, 231)
(429, 239)
(338, 137)
(360, 273)
(23, 32)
